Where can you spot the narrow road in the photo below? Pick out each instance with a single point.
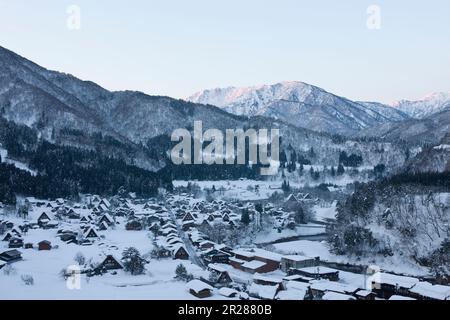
(193, 256)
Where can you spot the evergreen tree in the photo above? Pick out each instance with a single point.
(132, 261)
(283, 159)
(182, 274)
(285, 186)
(301, 169)
(340, 170)
(245, 217)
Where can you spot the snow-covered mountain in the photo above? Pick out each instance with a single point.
(52, 101)
(427, 106)
(60, 107)
(302, 105)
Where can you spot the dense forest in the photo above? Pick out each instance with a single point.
(386, 216)
(65, 171)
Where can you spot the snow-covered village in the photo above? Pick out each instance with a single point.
(181, 246)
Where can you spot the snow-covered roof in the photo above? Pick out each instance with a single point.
(206, 242)
(107, 216)
(394, 280)
(297, 258)
(267, 255)
(177, 247)
(295, 277)
(260, 277)
(318, 270)
(333, 286)
(227, 292)
(168, 225)
(233, 259)
(426, 289)
(336, 296)
(106, 202)
(254, 264)
(297, 285)
(264, 292)
(363, 293)
(216, 267)
(243, 253)
(396, 297)
(102, 207)
(197, 286)
(291, 294)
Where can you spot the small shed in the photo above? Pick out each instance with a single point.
(199, 289)
(44, 245)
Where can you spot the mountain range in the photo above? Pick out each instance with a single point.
(65, 110)
(425, 107)
(308, 106)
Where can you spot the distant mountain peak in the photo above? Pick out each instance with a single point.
(428, 105)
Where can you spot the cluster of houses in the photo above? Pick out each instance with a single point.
(277, 276)
(13, 235)
(177, 226)
(204, 214)
(305, 278)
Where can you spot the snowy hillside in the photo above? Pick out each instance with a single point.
(429, 130)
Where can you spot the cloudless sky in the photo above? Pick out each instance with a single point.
(176, 48)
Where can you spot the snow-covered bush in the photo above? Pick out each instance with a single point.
(27, 279)
(80, 259)
(9, 270)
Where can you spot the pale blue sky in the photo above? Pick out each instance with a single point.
(175, 48)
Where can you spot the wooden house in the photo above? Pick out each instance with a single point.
(318, 273)
(133, 225)
(110, 263)
(365, 295)
(44, 245)
(106, 218)
(15, 242)
(28, 245)
(219, 276)
(428, 291)
(180, 253)
(102, 226)
(187, 225)
(188, 217)
(216, 256)
(319, 288)
(386, 285)
(43, 219)
(7, 236)
(91, 233)
(10, 256)
(297, 262)
(199, 289)
(204, 245)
